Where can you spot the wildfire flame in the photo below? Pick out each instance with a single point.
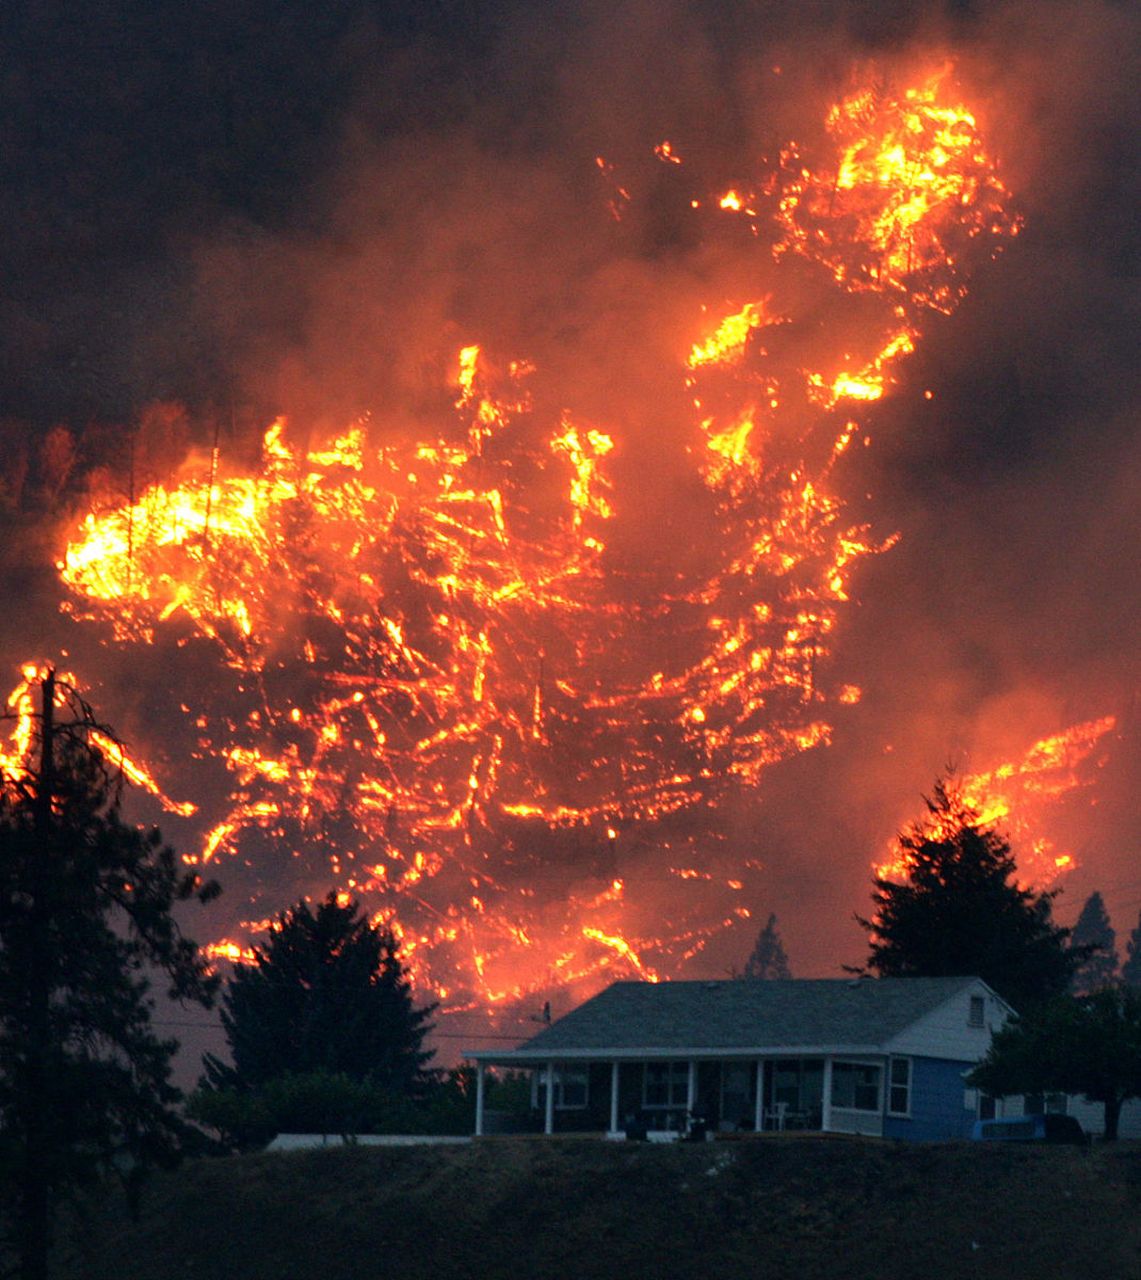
(441, 687)
(1017, 794)
(913, 185)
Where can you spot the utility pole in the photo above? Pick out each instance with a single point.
(131, 513)
(46, 779)
(34, 1225)
(212, 482)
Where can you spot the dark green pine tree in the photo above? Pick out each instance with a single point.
(959, 912)
(85, 914)
(326, 994)
(768, 959)
(1093, 931)
(1131, 969)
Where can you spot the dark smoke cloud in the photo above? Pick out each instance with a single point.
(324, 209)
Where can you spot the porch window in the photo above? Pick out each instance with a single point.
(795, 1093)
(571, 1088)
(665, 1084)
(1036, 1104)
(856, 1086)
(899, 1087)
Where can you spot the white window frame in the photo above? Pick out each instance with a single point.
(976, 1012)
(677, 1085)
(984, 1103)
(978, 1101)
(905, 1085)
(1053, 1103)
(840, 1064)
(570, 1074)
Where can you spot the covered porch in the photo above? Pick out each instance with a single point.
(664, 1095)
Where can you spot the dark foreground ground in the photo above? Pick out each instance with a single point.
(530, 1209)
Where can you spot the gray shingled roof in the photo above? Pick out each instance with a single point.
(739, 1014)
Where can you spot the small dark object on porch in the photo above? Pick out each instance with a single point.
(696, 1127)
(637, 1128)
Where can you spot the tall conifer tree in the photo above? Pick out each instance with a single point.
(1131, 969)
(326, 993)
(768, 959)
(1093, 930)
(959, 912)
(85, 913)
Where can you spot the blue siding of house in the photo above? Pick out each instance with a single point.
(937, 1111)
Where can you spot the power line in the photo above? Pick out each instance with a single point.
(435, 1035)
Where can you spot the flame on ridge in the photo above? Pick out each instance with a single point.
(439, 687)
(1015, 795)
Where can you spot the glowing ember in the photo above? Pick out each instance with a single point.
(434, 680)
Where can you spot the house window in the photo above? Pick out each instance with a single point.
(665, 1084)
(1036, 1104)
(856, 1086)
(899, 1087)
(976, 1016)
(571, 1089)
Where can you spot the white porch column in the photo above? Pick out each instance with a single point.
(479, 1099)
(691, 1087)
(759, 1113)
(614, 1097)
(549, 1113)
(826, 1109)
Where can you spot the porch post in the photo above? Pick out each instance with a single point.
(614, 1097)
(826, 1109)
(759, 1115)
(549, 1113)
(479, 1099)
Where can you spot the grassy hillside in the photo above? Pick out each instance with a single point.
(529, 1209)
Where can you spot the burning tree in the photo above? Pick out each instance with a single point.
(957, 910)
(85, 909)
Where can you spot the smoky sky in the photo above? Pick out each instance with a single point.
(248, 209)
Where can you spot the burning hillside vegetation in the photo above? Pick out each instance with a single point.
(438, 677)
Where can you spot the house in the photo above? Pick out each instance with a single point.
(883, 1057)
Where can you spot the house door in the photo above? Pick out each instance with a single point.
(738, 1095)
